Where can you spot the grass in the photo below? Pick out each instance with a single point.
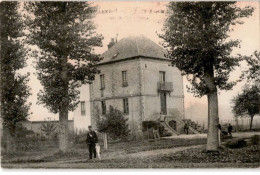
(51, 154)
(227, 158)
(247, 157)
(120, 155)
(146, 145)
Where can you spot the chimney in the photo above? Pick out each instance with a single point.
(111, 43)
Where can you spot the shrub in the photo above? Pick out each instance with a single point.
(255, 140)
(114, 124)
(155, 125)
(237, 143)
(79, 137)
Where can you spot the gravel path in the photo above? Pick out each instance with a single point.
(143, 154)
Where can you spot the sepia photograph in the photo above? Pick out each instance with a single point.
(130, 85)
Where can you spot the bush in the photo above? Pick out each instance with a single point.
(255, 140)
(114, 124)
(155, 125)
(237, 143)
(79, 137)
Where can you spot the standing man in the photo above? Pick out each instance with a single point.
(92, 139)
(186, 128)
(230, 129)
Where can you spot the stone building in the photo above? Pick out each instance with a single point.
(136, 78)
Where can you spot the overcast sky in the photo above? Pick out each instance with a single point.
(146, 18)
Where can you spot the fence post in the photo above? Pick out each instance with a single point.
(105, 141)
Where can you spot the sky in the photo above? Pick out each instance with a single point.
(124, 19)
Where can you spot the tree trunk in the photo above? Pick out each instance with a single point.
(64, 131)
(213, 119)
(251, 121)
(63, 112)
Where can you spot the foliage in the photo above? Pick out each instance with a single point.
(236, 143)
(13, 85)
(48, 128)
(253, 73)
(114, 123)
(65, 34)
(22, 132)
(247, 103)
(255, 140)
(195, 36)
(150, 124)
(155, 125)
(66, 37)
(79, 137)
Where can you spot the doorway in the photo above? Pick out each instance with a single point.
(163, 103)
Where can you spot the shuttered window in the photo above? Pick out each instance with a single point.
(125, 104)
(83, 108)
(102, 81)
(124, 78)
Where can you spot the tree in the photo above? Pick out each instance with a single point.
(114, 123)
(195, 35)
(65, 34)
(13, 85)
(253, 72)
(247, 104)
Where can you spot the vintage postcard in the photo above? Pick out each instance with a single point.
(130, 84)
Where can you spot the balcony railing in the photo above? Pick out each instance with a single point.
(165, 86)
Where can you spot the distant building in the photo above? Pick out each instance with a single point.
(81, 114)
(36, 126)
(136, 78)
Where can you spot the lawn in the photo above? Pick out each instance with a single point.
(49, 153)
(130, 155)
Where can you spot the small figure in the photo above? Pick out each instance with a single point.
(92, 140)
(230, 129)
(186, 128)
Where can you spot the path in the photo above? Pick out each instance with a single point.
(142, 154)
(196, 136)
(81, 163)
(161, 151)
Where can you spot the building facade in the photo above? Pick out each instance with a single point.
(136, 78)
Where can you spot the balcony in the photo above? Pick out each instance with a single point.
(165, 86)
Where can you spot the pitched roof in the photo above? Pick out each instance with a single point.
(132, 47)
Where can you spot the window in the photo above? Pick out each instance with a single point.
(102, 81)
(124, 78)
(82, 107)
(162, 76)
(103, 106)
(125, 104)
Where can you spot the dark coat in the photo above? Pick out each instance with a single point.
(92, 138)
(230, 128)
